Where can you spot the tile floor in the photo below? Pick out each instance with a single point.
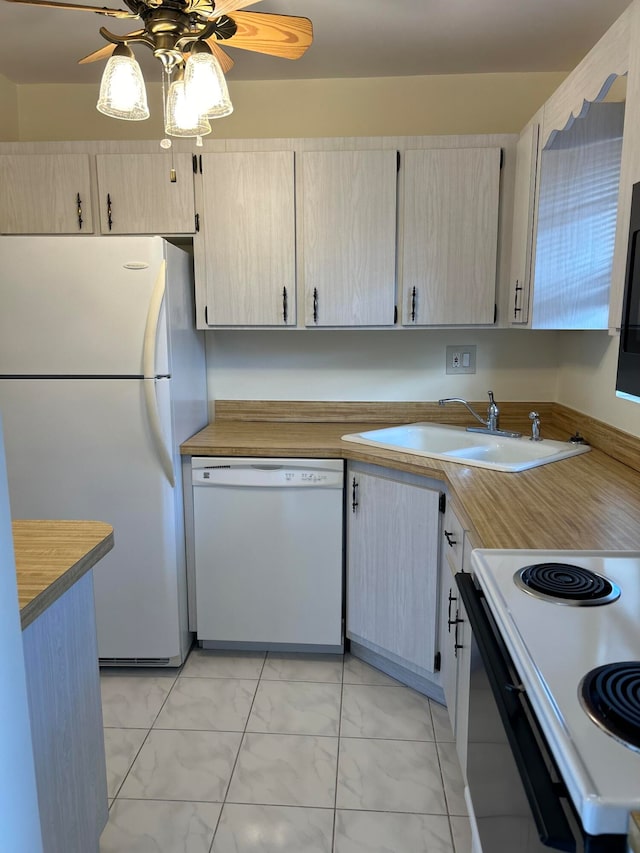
(274, 753)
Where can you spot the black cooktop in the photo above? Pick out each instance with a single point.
(566, 584)
(610, 694)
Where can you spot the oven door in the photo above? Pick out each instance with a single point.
(518, 798)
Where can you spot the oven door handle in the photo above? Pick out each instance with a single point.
(540, 788)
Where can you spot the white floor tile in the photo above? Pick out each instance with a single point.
(383, 832)
(461, 831)
(452, 778)
(120, 748)
(145, 826)
(441, 723)
(293, 770)
(356, 671)
(273, 829)
(390, 775)
(296, 707)
(183, 765)
(133, 702)
(385, 712)
(216, 704)
(303, 667)
(204, 663)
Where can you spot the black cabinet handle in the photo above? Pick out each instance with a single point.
(456, 644)
(79, 208)
(516, 308)
(451, 621)
(285, 308)
(315, 304)
(450, 538)
(109, 217)
(413, 304)
(354, 495)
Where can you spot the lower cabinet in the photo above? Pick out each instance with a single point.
(63, 688)
(455, 633)
(393, 524)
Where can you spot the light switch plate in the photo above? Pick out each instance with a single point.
(461, 358)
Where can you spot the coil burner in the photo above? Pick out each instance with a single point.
(564, 583)
(610, 695)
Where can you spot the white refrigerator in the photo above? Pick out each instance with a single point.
(102, 376)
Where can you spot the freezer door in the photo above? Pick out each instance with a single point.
(83, 449)
(79, 307)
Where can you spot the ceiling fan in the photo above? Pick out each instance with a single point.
(171, 27)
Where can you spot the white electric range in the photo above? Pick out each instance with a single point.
(554, 643)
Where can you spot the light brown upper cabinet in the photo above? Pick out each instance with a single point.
(245, 250)
(564, 224)
(523, 210)
(347, 237)
(45, 194)
(146, 193)
(450, 236)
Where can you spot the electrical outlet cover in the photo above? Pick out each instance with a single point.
(460, 359)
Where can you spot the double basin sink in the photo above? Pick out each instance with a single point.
(456, 444)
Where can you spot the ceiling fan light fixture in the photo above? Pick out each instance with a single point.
(182, 117)
(122, 91)
(205, 82)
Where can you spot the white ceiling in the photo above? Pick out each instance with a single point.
(352, 38)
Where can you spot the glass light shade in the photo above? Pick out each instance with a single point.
(122, 92)
(206, 85)
(182, 117)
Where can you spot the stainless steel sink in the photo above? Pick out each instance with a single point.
(455, 444)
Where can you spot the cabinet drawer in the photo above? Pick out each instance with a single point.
(453, 535)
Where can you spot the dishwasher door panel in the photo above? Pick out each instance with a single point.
(269, 566)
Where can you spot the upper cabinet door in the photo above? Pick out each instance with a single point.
(245, 251)
(146, 193)
(522, 233)
(347, 216)
(450, 237)
(45, 194)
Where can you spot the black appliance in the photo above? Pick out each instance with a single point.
(628, 379)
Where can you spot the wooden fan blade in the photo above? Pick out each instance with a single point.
(224, 7)
(226, 63)
(286, 36)
(107, 50)
(50, 4)
(102, 53)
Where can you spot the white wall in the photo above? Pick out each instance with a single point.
(587, 379)
(382, 365)
(19, 819)
(9, 125)
(384, 106)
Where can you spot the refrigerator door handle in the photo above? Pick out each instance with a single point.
(149, 371)
(151, 328)
(156, 429)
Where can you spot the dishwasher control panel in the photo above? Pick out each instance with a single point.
(290, 473)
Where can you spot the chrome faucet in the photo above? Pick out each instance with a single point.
(534, 417)
(491, 424)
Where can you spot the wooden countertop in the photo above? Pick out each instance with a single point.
(589, 502)
(51, 556)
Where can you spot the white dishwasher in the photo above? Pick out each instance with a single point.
(269, 552)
